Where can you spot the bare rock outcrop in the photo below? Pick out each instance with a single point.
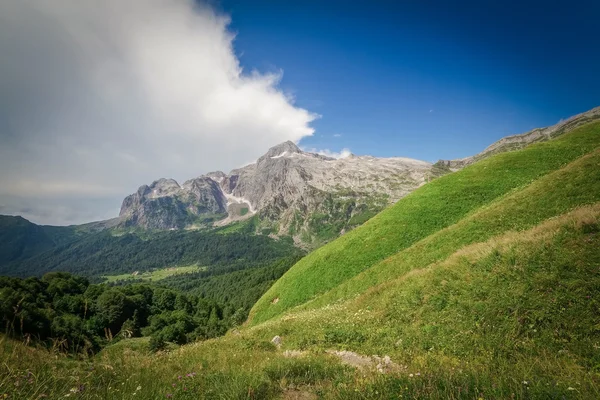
(516, 142)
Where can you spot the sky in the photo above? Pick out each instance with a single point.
(100, 97)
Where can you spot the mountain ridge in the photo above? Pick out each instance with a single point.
(284, 189)
(519, 141)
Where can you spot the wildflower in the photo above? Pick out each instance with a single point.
(179, 377)
(174, 385)
(525, 383)
(138, 388)
(410, 375)
(169, 395)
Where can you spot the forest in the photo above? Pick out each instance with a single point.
(112, 252)
(65, 311)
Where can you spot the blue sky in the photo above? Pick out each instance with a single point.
(427, 79)
(98, 98)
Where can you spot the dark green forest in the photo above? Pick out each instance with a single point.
(67, 312)
(56, 295)
(108, 253)
(240, 289)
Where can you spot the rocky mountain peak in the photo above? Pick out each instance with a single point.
(281, 150)
(216, 176)
(163, 187)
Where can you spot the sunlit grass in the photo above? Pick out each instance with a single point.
(154, 275)
(435, 206)
(481, 285)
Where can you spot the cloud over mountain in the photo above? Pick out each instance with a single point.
(98, 97)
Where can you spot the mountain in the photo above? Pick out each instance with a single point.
(481, 284)
(21, 239)
(516, 142)
(485, 199)
(166, 205)
(291, 192)
(308, 196)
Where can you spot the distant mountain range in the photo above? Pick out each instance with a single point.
(286, 192)
(308, 196)
(289, 191)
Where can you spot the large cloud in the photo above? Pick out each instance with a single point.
(98, 97)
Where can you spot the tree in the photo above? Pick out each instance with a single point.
(114, 308)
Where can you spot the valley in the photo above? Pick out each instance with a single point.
(480, 283)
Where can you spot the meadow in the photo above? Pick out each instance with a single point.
(482, 284)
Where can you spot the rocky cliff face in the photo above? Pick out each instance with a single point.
(306, 195)
(311, 197)
(516, 142)
(166, 205)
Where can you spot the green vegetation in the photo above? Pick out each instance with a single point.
(240, 289)
(431, 208)
(207, 264)
(155, 275)
(67, 311)
(105, 253)
(507, 318)
(22, 239)
(482, 284)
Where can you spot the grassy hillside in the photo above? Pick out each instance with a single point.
(22, 239)
(108, 253)
(512, 317)
(431, 208)
(483, 284)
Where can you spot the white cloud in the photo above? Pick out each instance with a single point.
(326, 152)
(337, 135)
(99, 97)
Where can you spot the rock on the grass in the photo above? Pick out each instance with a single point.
(276, 340)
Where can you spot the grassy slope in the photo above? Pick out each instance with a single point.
(155, 275)
(576, 184)
(22, 239)
(500, 301)
(429, 209)
(517, 308)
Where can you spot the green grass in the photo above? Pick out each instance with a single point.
(435, 206)
(513, 317)
(155, 275)
(556, 193)
(519, 307)
(483, 284)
